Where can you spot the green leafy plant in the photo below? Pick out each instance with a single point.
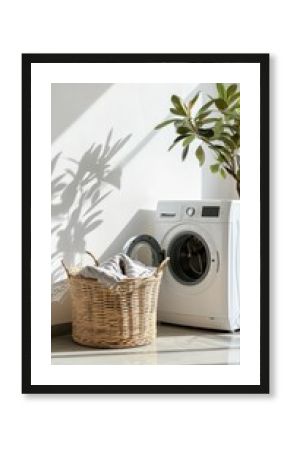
(216, 125)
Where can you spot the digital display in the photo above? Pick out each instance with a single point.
(210, 211)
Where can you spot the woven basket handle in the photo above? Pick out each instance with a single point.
(162, 266)
(67, 270)
(93, 257)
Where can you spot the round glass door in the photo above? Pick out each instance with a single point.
(144, 248)
(189, 258)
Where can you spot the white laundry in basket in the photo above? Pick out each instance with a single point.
(115, 269)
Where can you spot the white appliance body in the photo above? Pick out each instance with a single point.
(200, 287)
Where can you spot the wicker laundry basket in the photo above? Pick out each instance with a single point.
(123, 316)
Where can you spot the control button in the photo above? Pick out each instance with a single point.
(190, 211)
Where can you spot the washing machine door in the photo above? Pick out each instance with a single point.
(190, 258)
(194, 259)
(144, 248)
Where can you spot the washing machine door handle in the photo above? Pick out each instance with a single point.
(133, 248)
(218, 261)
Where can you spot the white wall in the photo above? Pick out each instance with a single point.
(110, 167)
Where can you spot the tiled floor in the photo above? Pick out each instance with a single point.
(174, 345)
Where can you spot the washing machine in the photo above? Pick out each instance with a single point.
(200, 287)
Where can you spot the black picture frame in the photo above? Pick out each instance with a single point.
(263, 61)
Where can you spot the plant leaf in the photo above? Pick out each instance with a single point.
(178, 105)
(233, 98)
(206, 132)
(231, 90)
(227, 141)
(192, 102)
(180, 123)
(218, 128)
(183, 130)
(214, 168)
(221, 90)
(221, 158)
(216, 147)
(223, 172)
(220, 104)
(184, 152)
(163, 124)
(235, 107)
(177, 112)
(188, 140)
(176, 101)
(176, 140)
(205, 106)
(206, 121)
(202, 115)
(199, 153)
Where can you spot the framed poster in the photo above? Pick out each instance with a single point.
(97, 177)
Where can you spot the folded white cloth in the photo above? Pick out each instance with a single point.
(119, 267)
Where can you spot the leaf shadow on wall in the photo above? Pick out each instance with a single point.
(77, 196)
